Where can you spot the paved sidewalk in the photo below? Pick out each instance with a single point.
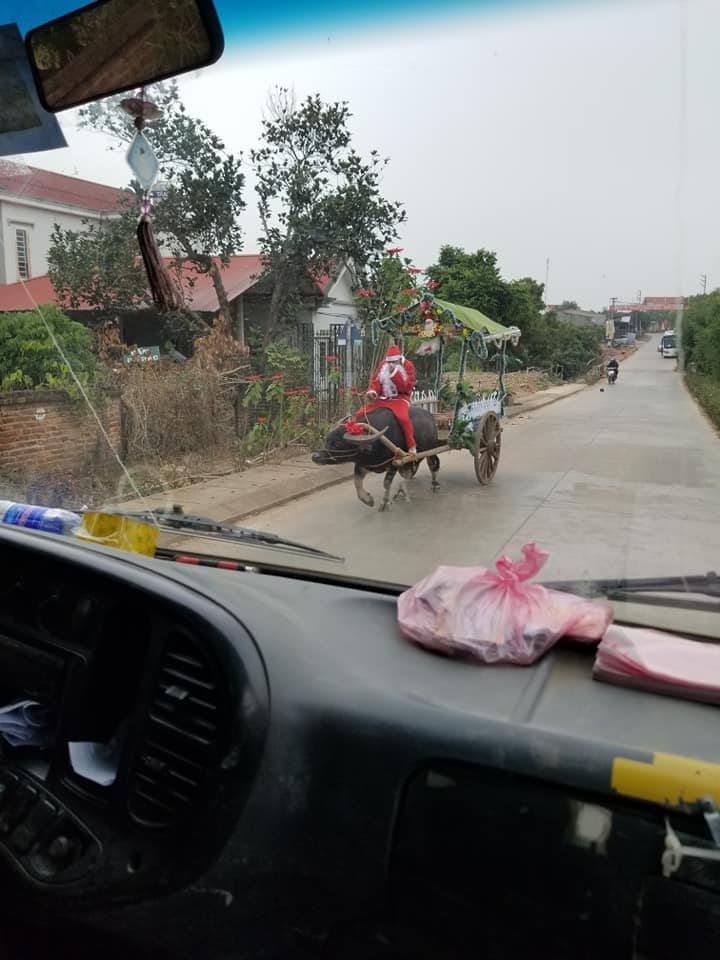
(237, 496)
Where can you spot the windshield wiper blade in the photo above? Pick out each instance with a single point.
(707, 584)
(651, 591)
(179, 522)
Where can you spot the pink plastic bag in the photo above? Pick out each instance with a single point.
(497, 616)
(660, 663)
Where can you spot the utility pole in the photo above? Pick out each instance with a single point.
(547, 279)
(703, 282)
(613, 301)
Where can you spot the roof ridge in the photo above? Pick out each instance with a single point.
(23, 168)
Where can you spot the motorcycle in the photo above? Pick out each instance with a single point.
(612, 374)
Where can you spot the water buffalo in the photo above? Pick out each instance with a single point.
(372, 456)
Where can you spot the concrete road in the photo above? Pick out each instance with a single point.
(620, 481)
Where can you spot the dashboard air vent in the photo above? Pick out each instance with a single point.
(179, 741)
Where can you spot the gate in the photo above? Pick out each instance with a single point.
(338, 356)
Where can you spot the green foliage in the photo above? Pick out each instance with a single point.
(388, 285)
(277, 357)
(319, 201)
(98, 267)
(701, 334)
(287, 415)
(282, 358)
(471, 279)
(29, 358)
(474, 280)
(706, 390)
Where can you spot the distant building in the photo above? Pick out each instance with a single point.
(653, 303)
(579, 318)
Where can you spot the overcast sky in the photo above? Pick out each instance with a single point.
(583, 134)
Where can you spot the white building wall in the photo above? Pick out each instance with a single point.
(37, 218)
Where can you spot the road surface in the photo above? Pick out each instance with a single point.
(620, 481)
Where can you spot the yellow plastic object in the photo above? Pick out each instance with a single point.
(667, 779)
(122, 533)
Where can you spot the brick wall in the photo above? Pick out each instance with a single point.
(44, 432)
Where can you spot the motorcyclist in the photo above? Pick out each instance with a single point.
(613, 367)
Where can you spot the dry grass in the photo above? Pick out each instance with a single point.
(171, 411)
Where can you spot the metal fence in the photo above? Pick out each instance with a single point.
(339, 359)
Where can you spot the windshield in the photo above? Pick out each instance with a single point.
(435, 228)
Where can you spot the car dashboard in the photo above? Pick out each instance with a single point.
(278, 773)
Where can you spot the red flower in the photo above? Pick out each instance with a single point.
(341, 390)
(311, 420)
(393, 250)
(410, 291)
(331, 358)
(278, 376)
(354, 428)
(366, 292)
(303, 391)
(255, 376)
(432, 284)
(414, 270)
(262, 419)
(290, 393)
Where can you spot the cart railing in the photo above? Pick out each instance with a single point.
(427, 399)
(476, 409)
(468, 412)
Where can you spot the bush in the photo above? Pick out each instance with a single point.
(701, 334)
(706, 391)
(29, 359)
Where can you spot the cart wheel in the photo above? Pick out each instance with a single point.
(488, 440)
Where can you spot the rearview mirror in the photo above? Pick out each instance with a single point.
(116, 45)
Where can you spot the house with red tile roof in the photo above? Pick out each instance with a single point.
(32, 201)
(328, 301)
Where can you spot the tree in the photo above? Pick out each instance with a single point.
(390, 284)
(29, 357)
(98, 267)
(701, 334)
(471, 279)
(319, 201)
(474, 280)
(198, 214)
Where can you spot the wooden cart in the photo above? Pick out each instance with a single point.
(474, 421)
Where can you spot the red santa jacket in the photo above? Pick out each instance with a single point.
(399, 383)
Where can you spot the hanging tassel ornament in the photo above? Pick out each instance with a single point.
(144, 164)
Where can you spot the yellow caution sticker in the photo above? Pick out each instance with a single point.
(123, 533)
(666, 779)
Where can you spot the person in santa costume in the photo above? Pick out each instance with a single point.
(390, 387)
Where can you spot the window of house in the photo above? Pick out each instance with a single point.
(22, 252)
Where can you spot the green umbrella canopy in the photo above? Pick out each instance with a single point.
(472, 319)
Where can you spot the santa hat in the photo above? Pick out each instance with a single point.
(394, 355)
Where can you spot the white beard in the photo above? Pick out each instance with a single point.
(388, 387)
